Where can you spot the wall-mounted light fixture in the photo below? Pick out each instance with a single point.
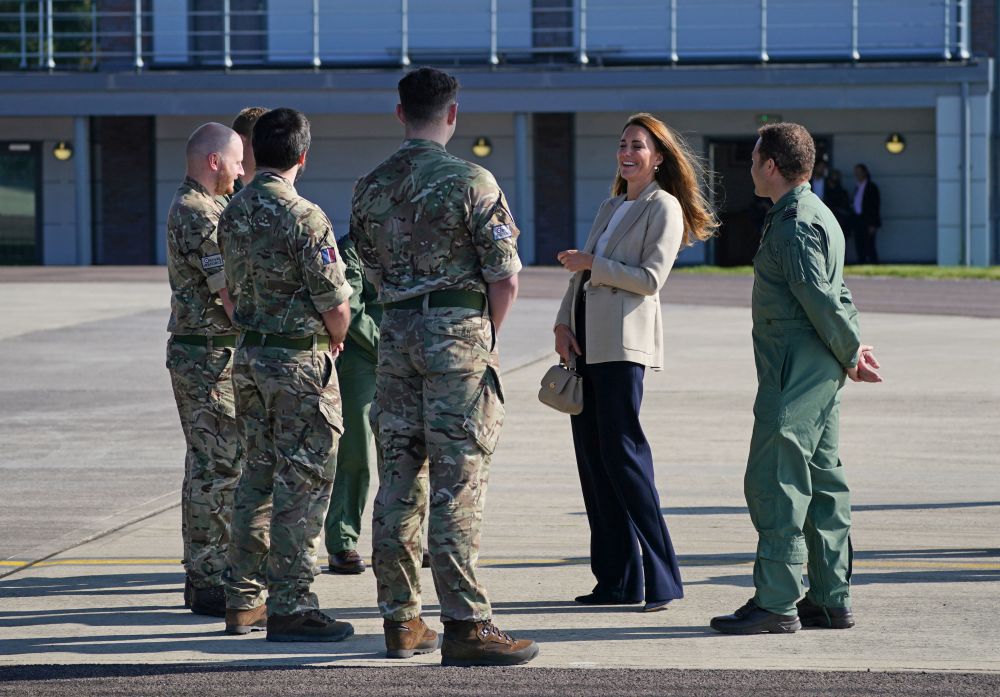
(895, 143)
(482, 147)
(63, 151)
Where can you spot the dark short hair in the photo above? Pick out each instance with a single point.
(280, 137)
(790, 146)
(425, 93)
(245, 120)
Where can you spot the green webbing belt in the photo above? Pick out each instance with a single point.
(470, 299)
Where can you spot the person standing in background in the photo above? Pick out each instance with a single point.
(243, 124)
(867, 215)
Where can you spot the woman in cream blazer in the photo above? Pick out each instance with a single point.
(610, 318)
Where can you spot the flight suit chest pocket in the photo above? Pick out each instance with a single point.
(484, 418)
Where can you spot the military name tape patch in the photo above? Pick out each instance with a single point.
(501, 232)
(329, 255)
(212, 261)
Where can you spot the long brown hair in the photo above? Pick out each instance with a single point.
(681, 174)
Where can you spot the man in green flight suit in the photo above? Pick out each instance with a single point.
(356, 453)
(806, 341)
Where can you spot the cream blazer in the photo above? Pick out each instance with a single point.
(624, 322)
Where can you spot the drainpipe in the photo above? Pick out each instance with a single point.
(81, 171)
(966, 176)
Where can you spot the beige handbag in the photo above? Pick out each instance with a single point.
(562, 388)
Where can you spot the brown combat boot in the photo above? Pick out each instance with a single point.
(246, 621)
(483, 644)
(311, 625)
(407, 639)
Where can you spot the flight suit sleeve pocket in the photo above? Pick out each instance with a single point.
(484, 419)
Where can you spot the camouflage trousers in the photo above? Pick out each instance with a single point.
(290, 421)
(437, 416)
(203, 389)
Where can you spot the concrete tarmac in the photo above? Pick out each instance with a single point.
(93, 460)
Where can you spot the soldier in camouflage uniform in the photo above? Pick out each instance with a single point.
(435, 235)
(243, 125)
(806, 342)
(287, 282)
(200, 358)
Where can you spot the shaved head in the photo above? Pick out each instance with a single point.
(215, 157)
(208, 138)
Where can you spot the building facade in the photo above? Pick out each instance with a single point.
(97, 98)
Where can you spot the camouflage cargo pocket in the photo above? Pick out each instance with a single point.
(484, 419)
(219, 367)
(330, 403)
(454, 338)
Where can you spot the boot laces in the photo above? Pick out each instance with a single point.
(490, 628)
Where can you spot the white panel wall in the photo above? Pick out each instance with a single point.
(908, 182)
(170, 32)
(372, 31)
(949, 182)
(732, 29)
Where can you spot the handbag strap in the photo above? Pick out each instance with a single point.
(571, 363)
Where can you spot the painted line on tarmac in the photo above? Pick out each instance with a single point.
(863, 563)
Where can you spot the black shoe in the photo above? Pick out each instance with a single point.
(601, 599)
(209, 601)
(188, 591)
(347, 562)
(425, 561)
(751, 619)
(813, 615)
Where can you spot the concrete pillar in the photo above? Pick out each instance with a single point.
(522, 194)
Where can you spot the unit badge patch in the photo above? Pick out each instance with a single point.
(211, 262)
(329, 255)
(501, 232)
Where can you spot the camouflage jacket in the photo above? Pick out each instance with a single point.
(284, 268)
(194, 263)
(425, 220)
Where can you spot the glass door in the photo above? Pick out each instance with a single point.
(20, 199)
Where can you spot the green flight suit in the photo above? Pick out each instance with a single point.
(356, 372)
(805, 335)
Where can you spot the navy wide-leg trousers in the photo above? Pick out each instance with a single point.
(616, 473)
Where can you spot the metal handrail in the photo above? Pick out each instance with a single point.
(68, 38)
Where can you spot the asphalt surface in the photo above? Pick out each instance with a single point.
(92, 445)
(199, 681)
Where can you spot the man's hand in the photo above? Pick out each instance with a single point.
(337, 349)
(867, 368)
(574, 260)
(566, 342)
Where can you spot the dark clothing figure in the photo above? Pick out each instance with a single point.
(866, 219)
